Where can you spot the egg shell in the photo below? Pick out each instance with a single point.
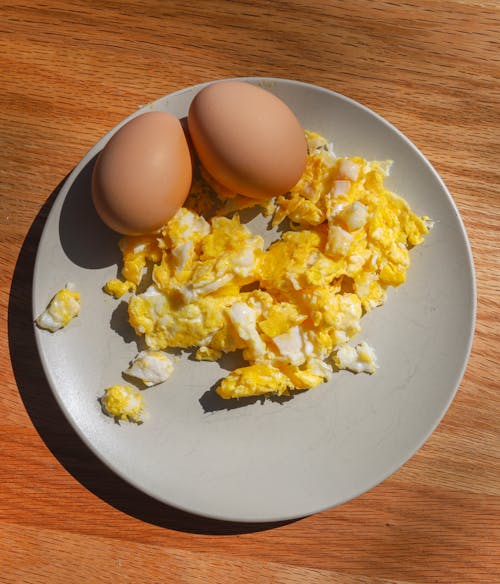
(143, 175)
(247, 139)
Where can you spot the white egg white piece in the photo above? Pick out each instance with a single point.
(359, 359)
(354, 216)
(151, 367)
(244, 319)
(348, 169)
(291, 345)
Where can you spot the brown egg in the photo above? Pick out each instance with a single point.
(143, 174)
(247, 139)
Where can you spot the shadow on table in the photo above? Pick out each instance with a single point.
(52, 425)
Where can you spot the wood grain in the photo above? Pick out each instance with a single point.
(70, 72)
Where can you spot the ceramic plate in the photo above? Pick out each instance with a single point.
(269, 460)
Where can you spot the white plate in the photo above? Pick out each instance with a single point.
(266, 461)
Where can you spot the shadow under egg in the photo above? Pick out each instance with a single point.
(85, 239)
(119, 322)
(211, 402)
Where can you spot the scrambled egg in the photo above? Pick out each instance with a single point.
(291, 308)
(63, 307)
(123, 403)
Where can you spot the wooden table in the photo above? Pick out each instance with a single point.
(70, 72)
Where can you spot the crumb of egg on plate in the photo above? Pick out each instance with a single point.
(150, 367)
(123, 403)
(61, 310)
(291, 308)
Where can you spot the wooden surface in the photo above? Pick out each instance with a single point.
(70, 71)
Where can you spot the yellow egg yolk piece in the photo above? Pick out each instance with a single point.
(254, 380)
(123, 403)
